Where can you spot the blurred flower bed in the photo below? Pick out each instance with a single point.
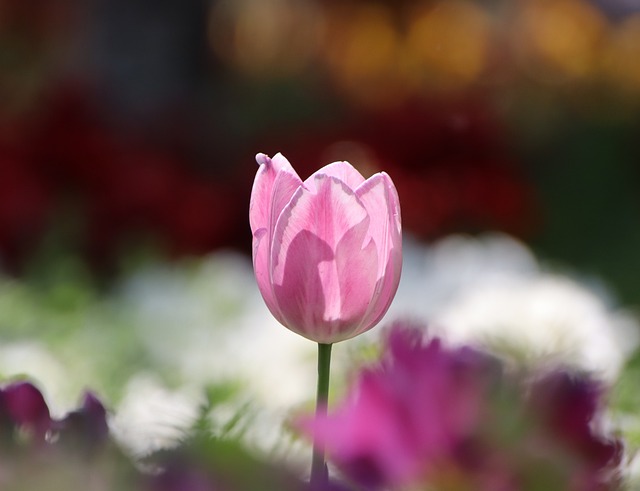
(190, 349)
(493, 116)
(127, 135)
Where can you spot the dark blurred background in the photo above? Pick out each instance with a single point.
(129, 127)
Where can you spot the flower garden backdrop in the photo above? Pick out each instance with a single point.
(136, 349)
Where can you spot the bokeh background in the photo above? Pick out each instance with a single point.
(128, 130)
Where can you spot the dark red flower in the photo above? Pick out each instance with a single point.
(450, 160)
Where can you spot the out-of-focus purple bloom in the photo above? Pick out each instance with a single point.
(451, 419)
(568, 406)
(23, 406)
(412, 413)
(69, 454)
(85, 427)
(205, 464)
(189, 473)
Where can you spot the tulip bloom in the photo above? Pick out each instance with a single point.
(327, 252)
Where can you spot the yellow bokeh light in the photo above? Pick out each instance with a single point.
(559, 40)
(450, 42)
(259, 36)
(362, 51)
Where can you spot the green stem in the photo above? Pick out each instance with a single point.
(319, 472)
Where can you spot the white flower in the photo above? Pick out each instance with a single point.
(492, 291)
(151, 417)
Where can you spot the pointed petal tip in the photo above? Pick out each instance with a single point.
(383, 175)
(263, 159)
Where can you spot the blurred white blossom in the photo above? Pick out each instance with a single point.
(209, 324)
(151, 416)
(492, 291)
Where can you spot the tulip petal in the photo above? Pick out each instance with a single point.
(322, 276)
(373, 195)
(284, 186)
(275, 183)
(380, 198)
(356, 271)
(342, 171)
(262, 191)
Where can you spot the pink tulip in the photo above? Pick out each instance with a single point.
(327, 252)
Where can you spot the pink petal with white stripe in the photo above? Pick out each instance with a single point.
(342, 171)
(323, 277)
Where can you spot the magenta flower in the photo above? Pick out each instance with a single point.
(451, 419)
(409, 416)
(23, 406)
(327, 252)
